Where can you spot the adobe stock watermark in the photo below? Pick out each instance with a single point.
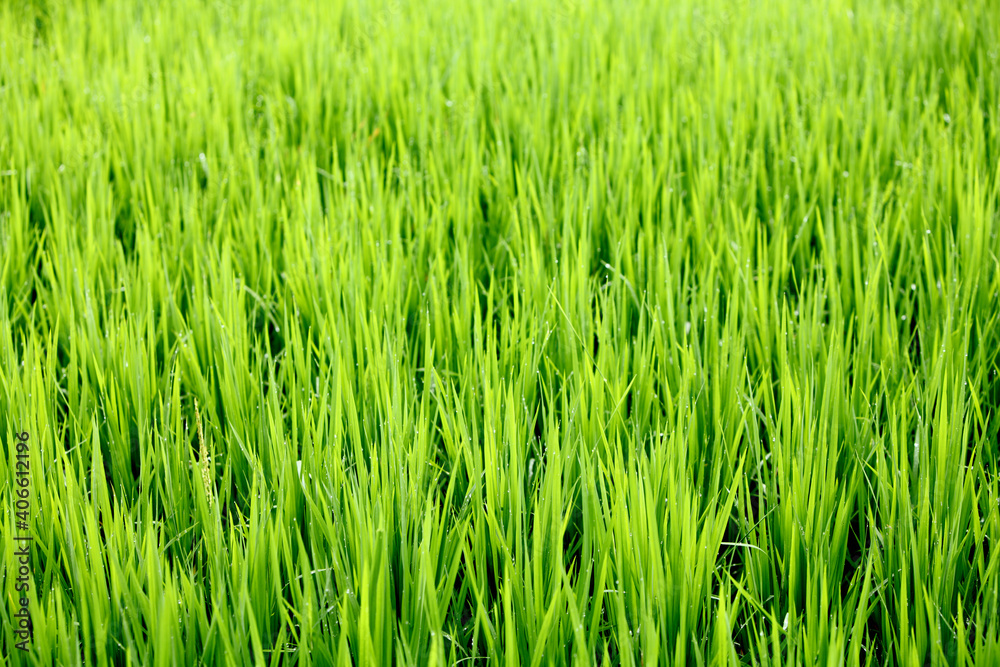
(373, 27)
(21, 565)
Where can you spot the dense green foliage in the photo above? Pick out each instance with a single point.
(513, 333)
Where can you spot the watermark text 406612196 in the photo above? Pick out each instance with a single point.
(21, 566)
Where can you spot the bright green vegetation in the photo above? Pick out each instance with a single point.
(658, 333)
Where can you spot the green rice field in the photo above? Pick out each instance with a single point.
(555, 332)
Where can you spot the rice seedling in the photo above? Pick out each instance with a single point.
(555, 332)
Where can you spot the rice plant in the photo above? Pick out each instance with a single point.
(513, 333)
